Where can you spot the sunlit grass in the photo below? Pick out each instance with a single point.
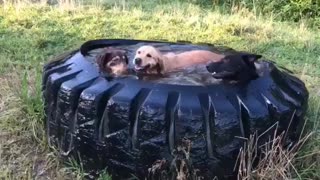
(31, 33)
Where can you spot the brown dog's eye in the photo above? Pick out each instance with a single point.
(112, 64)
(148, 55)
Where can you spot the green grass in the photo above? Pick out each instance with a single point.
(30, 34)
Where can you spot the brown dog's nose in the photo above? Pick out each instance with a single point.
(138, 61)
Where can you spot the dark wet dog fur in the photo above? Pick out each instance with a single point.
(113, 61)
(235, 68)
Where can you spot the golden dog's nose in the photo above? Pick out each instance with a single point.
(137, 61)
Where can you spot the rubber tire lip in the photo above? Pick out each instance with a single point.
(126, 124)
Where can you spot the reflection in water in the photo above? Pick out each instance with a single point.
(196, 75)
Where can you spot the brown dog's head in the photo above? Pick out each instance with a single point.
(147, 59)
(113, 61)
(237, 67)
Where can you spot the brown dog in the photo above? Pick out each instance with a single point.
(150, 60)
(113, 61)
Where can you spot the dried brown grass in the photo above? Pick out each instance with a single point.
(271, 160)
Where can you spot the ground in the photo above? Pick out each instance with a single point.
(32, 33)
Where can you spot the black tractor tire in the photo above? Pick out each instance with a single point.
(125, 125)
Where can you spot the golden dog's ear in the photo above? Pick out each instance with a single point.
(160, 65)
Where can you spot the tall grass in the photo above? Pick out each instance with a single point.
(292, 10)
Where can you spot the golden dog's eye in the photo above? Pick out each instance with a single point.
(148, 55)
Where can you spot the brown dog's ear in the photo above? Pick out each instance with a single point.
(103, 59)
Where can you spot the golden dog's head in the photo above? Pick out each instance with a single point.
(147, 59)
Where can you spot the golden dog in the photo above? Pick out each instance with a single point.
(150, 60)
